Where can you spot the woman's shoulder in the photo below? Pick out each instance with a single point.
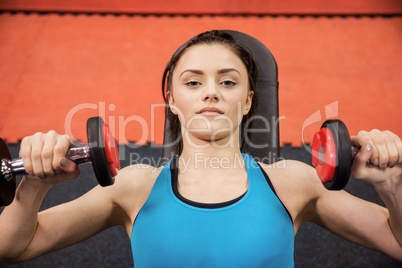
(294, 176)
(296, 184)
(291, 171)
(132, 186)
(137, 178)
(139, 173)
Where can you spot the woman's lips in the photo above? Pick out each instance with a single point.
(210, 111)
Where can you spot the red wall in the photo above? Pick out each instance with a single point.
(53, 65)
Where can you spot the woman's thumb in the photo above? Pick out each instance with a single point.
(67, 165)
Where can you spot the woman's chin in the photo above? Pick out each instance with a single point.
(220, 139)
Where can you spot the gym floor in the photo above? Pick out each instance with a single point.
(314, 246)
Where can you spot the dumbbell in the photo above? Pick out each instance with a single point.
(333, 154)
(101, 150)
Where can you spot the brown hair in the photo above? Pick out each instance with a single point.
(210, 37)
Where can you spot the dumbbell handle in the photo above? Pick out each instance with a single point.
(10, 168)
(356, 149)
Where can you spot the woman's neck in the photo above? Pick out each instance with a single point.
(211, 156)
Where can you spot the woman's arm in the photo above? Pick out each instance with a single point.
(26, 234)
(43, 155)
(19, 219)
(360, 221)
(69, 223)
(354, 219)
(384, 150)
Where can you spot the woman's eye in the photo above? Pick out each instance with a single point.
(228, 83)
(192, 83)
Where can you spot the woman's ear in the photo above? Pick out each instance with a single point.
(171, 103)
(248, 103)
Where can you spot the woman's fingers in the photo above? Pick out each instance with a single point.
(36, 154)
(42, 154)
(382, 148)
(394, 146)
(25, 154)
(50, 140)
(60, 149)
(386, 147)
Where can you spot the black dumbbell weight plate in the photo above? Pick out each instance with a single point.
(7, 188)
(96, 145)
(343, 154)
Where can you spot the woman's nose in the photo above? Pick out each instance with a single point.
(211, 93)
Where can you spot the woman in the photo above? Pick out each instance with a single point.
(210, 206)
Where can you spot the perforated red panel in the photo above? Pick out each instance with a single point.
(210, 6)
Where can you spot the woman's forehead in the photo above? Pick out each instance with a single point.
(210, 56)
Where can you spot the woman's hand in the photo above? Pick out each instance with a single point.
(383, 149)
(44, 158)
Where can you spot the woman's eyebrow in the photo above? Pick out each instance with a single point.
(223, 71)
(192, 71)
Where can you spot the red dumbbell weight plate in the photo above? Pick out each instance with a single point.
(334, 163)
(324, 154)
(112, 153)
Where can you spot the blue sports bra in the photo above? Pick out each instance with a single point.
(254, 230)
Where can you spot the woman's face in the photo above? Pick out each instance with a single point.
(210, 92)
